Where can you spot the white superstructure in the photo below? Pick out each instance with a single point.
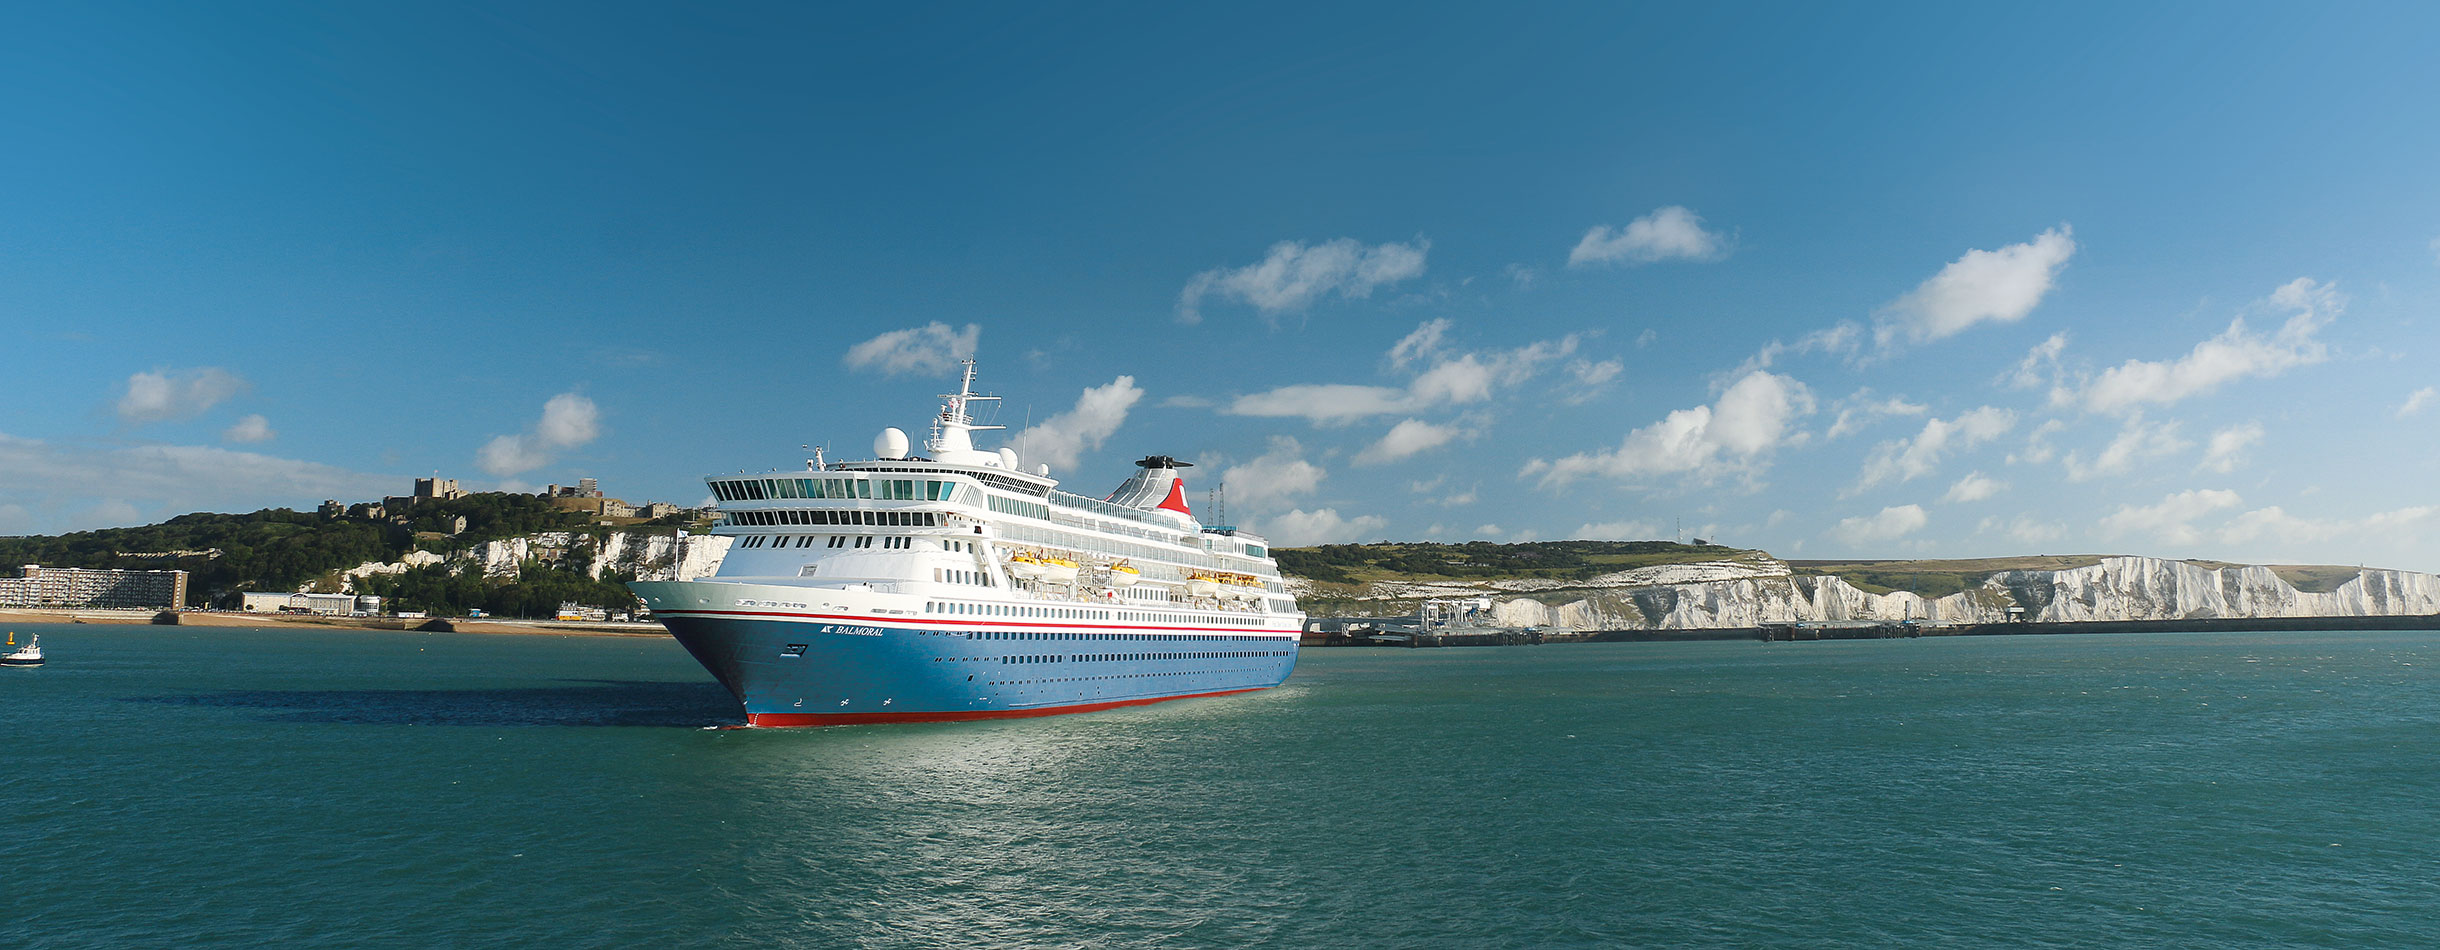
(960, 547)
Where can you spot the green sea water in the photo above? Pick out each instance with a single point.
(197, 787)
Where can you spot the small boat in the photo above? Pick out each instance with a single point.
(1123, 574)
(1024, 566)
(1058, 570)
(30, 655)
(1201, 585)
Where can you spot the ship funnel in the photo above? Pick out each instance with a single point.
(1156, 486)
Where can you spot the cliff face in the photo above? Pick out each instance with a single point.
(2134, 588)
(1743, 594)
(651, 557)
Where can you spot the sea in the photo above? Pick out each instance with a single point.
(220, 787)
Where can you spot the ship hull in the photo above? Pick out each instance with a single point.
(813, 670)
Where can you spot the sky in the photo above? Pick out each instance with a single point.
(1892, 281)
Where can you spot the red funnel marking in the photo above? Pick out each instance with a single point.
(1177, 498)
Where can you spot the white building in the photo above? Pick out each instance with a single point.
(274, 602)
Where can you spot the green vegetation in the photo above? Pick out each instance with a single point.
(1340, 570)
(2316, 578)
(1935, 578)
(1421, 562)
(279, 549)
(536, 591)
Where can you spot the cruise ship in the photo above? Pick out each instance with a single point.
(955, 584)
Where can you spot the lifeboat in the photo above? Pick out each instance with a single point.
(1123, 574)
(1201, 585)
(1058, 570)
(1025, 566)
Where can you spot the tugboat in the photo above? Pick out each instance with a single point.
(30, 655)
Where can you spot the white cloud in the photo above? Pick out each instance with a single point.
(2037, 444)
(1666, 233)
(1323, 403)
(51, 487)
(1859, 410)
(1523, 276)
(2002, 286)
(2040, 367)
(2026, 529)
(2234, 354)
(1974, 487)
(1841, 339)
(2136, 441)
(1616, 531)
(1406, 439)
(1447, 499)
(1890, 524)
(184, 394)
(2415, 401)
(1060, 439)
(1449, 380)
(253, 428)
(507, 455)
(2170, 522)
(1302, 528)
(568, 421)
(1293, 275)
(2227, 447)
(1423, 342)
(1589, 373)
(1277, 474)
(1745, 424)
(932, 349)
(2274, 522)
(1909, 459)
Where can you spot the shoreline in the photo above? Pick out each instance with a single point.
(221, 618)
(1772, 632)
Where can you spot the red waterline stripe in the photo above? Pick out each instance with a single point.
(894, 619)
(767, 720)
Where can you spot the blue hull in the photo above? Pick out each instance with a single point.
(828, 671)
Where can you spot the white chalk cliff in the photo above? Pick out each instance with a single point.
(1758, 590)
(650, 557)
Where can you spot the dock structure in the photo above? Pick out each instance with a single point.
(1461, 622)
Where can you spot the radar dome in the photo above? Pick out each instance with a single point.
(1042, 470)
(1008, 458)
(890, 444)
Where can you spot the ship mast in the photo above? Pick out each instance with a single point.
(952, 429)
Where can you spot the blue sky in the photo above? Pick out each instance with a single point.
(1913, 281)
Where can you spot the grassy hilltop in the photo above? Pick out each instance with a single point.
(279, 549)
(1426, 562)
